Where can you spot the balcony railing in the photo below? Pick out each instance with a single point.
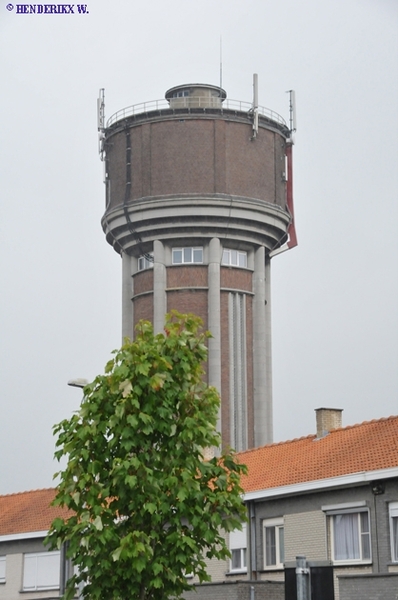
(193, 102)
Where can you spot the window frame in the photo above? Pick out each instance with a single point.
(147, 264)
(362, 536)
(38, 586)
(238, 544)
(182, 249)
(227, 255)
(278, 525)
(393, 520)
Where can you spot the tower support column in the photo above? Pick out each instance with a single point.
(214, 311)
(127, 294)
(262, 350)
(159, 287)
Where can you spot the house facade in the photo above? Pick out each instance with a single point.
(28, 569)
(331, 497)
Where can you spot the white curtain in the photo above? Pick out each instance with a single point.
(346, 537)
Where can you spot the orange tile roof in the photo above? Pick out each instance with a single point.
(28, 512)
(368, 446)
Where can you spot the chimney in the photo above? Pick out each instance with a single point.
(327, 419)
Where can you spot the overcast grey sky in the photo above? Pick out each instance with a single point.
(334, 297)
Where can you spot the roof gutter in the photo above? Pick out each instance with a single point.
(29, 535)
(320, 484)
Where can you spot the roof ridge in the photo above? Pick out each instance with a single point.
(313, 435)
(354, 425)
(272, 444)
(28, 492)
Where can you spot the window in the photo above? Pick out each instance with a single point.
(183, 256)
(181, 94)
(237, 545)
(350, 536)
(41, 571)
(234, 258)
(145, 262)
(274, 546)
(394, 530)
(2, 569)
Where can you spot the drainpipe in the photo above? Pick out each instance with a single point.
(253, 556)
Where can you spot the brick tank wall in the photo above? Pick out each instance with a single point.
(197, 156)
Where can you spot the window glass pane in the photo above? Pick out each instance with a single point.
(234, 258)
(270, 546)
(187, 255)
(244, 553)
(365, 537)
(235, 559)
(346, 537)
(281, 545)
(225, 257)
(197, 255)
(177, 256)
(242, 259)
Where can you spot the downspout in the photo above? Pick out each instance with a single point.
(252, 539)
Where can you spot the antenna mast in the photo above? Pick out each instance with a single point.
(220, 65)
(292, 111)
(101, 122)
(255, 106)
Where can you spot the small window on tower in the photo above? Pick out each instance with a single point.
(234, 258)
(181, 94)
(188, 255)
(145, 262)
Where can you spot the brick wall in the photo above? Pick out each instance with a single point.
(263, 590)
(143, 281)
(369, 587)
(143, 308)
(189, 301)
(184, 276)
(234, 278)
(305, 534)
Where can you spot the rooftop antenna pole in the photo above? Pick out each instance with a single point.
(220, 65)
(101, 122)
(255, 106)
(292, 111)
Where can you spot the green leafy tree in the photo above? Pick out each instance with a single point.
(146, 508)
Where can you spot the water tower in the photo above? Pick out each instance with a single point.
(198, 200)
